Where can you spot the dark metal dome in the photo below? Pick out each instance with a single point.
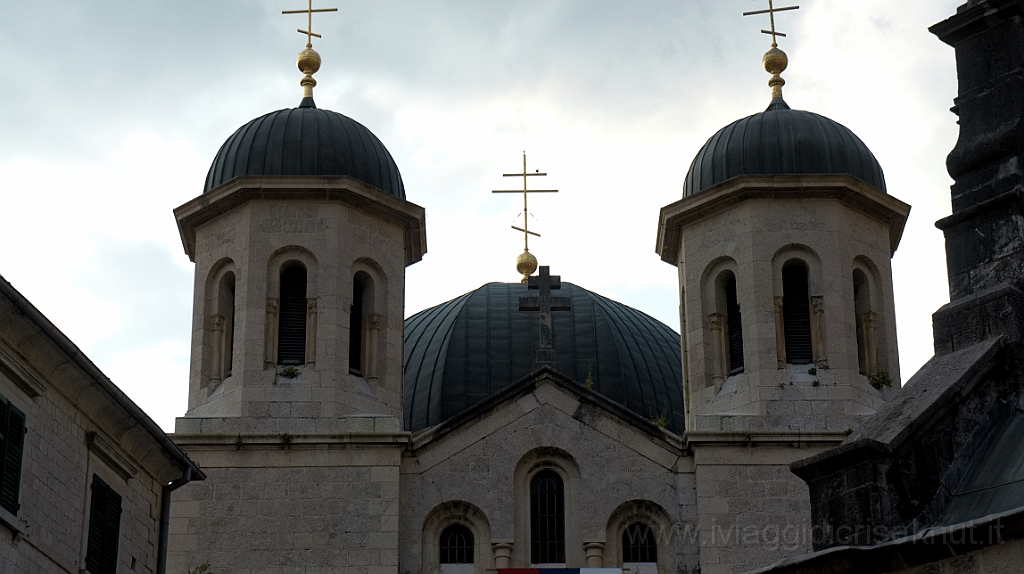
(461, 352)
(306, 141)
(782, 141)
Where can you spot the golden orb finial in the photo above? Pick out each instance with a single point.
(775, 62)
(526, 264)
(308, 62)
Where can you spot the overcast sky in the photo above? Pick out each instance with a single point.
(113, 110)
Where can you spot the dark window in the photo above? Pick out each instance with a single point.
(291, 348)
(104, 529)
(861, 306)
(734, 326)
(12, 448)
(796, 315)
(355, 326)
(456, 545)
(639, 543)
(547, 518)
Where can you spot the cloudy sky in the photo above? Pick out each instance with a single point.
(112, 111)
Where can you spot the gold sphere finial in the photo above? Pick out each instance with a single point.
(308, 62)
(526, 264)
(775, 62)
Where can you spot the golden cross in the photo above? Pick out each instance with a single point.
(771, 14)
(309, 20)
(526, 222)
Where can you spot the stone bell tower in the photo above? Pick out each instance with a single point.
(300, 239)
(783, 241)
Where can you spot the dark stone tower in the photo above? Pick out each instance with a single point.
(985, 233)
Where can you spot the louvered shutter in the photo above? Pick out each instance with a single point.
(104, 529)
(735, 327)
(292, 327)
(796, 315)
(12, 448)
(355, 330)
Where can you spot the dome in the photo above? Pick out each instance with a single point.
(782, 141)
(306, 141)
(459, 353)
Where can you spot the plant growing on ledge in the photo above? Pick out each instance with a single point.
(288, 373)
(203, 568)
(880, 379)
(660, 420)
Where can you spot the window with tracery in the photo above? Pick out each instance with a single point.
(547, 518)
(456, 545)
(639, 543)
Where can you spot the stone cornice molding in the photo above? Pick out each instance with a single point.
(846, 189)
(346, 190)
(110, 455)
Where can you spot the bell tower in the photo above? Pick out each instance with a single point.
(300, 239)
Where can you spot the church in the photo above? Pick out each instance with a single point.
(538, 424)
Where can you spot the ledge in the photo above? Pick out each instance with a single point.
(25, 379)
(16, 525)
(109, 454)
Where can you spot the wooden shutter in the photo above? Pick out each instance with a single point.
(796, 315)
(12, 448)
(734, 324)
(291, 345)
(104, 529)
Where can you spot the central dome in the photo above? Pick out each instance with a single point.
(782, 141)
(459, 353)
(306, 141)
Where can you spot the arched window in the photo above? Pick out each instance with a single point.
(226, 309)
(362, 306)
(796, 314)
(547, 518)
(864, 316)
(733, 326)
(291, 348)
(639, 544)
(456, 545)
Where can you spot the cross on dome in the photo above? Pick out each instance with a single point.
(526, 263)
(308, 61)
(545, 303)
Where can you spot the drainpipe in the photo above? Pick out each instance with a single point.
(165, 518)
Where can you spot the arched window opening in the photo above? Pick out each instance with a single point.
(226, 308)
(796, 314)
(456, 545)
(547, 518)
(639, 544)
(361, 306)
(292, 317)
(733, 327)
(864, 317)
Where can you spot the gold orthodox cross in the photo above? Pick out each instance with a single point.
(526, 223)
(771, 14)
(309, 20)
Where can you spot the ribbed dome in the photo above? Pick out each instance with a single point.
(782, 141)
(463, 351)
(306, 141)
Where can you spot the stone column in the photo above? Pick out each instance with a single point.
(217, 366)
(370, 362)
(502, 554)
(311, 332)
(870, 343)
(780, 334)
(595, 554)
(717, 350)
(270, 344)
(818, 332)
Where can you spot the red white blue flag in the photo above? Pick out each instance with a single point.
(559, 570)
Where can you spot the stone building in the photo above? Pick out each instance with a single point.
(338, 437)
(85, 475)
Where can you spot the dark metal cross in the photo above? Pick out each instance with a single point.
(771, 14)
(544, 282)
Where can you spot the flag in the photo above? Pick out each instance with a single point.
(559, 570)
